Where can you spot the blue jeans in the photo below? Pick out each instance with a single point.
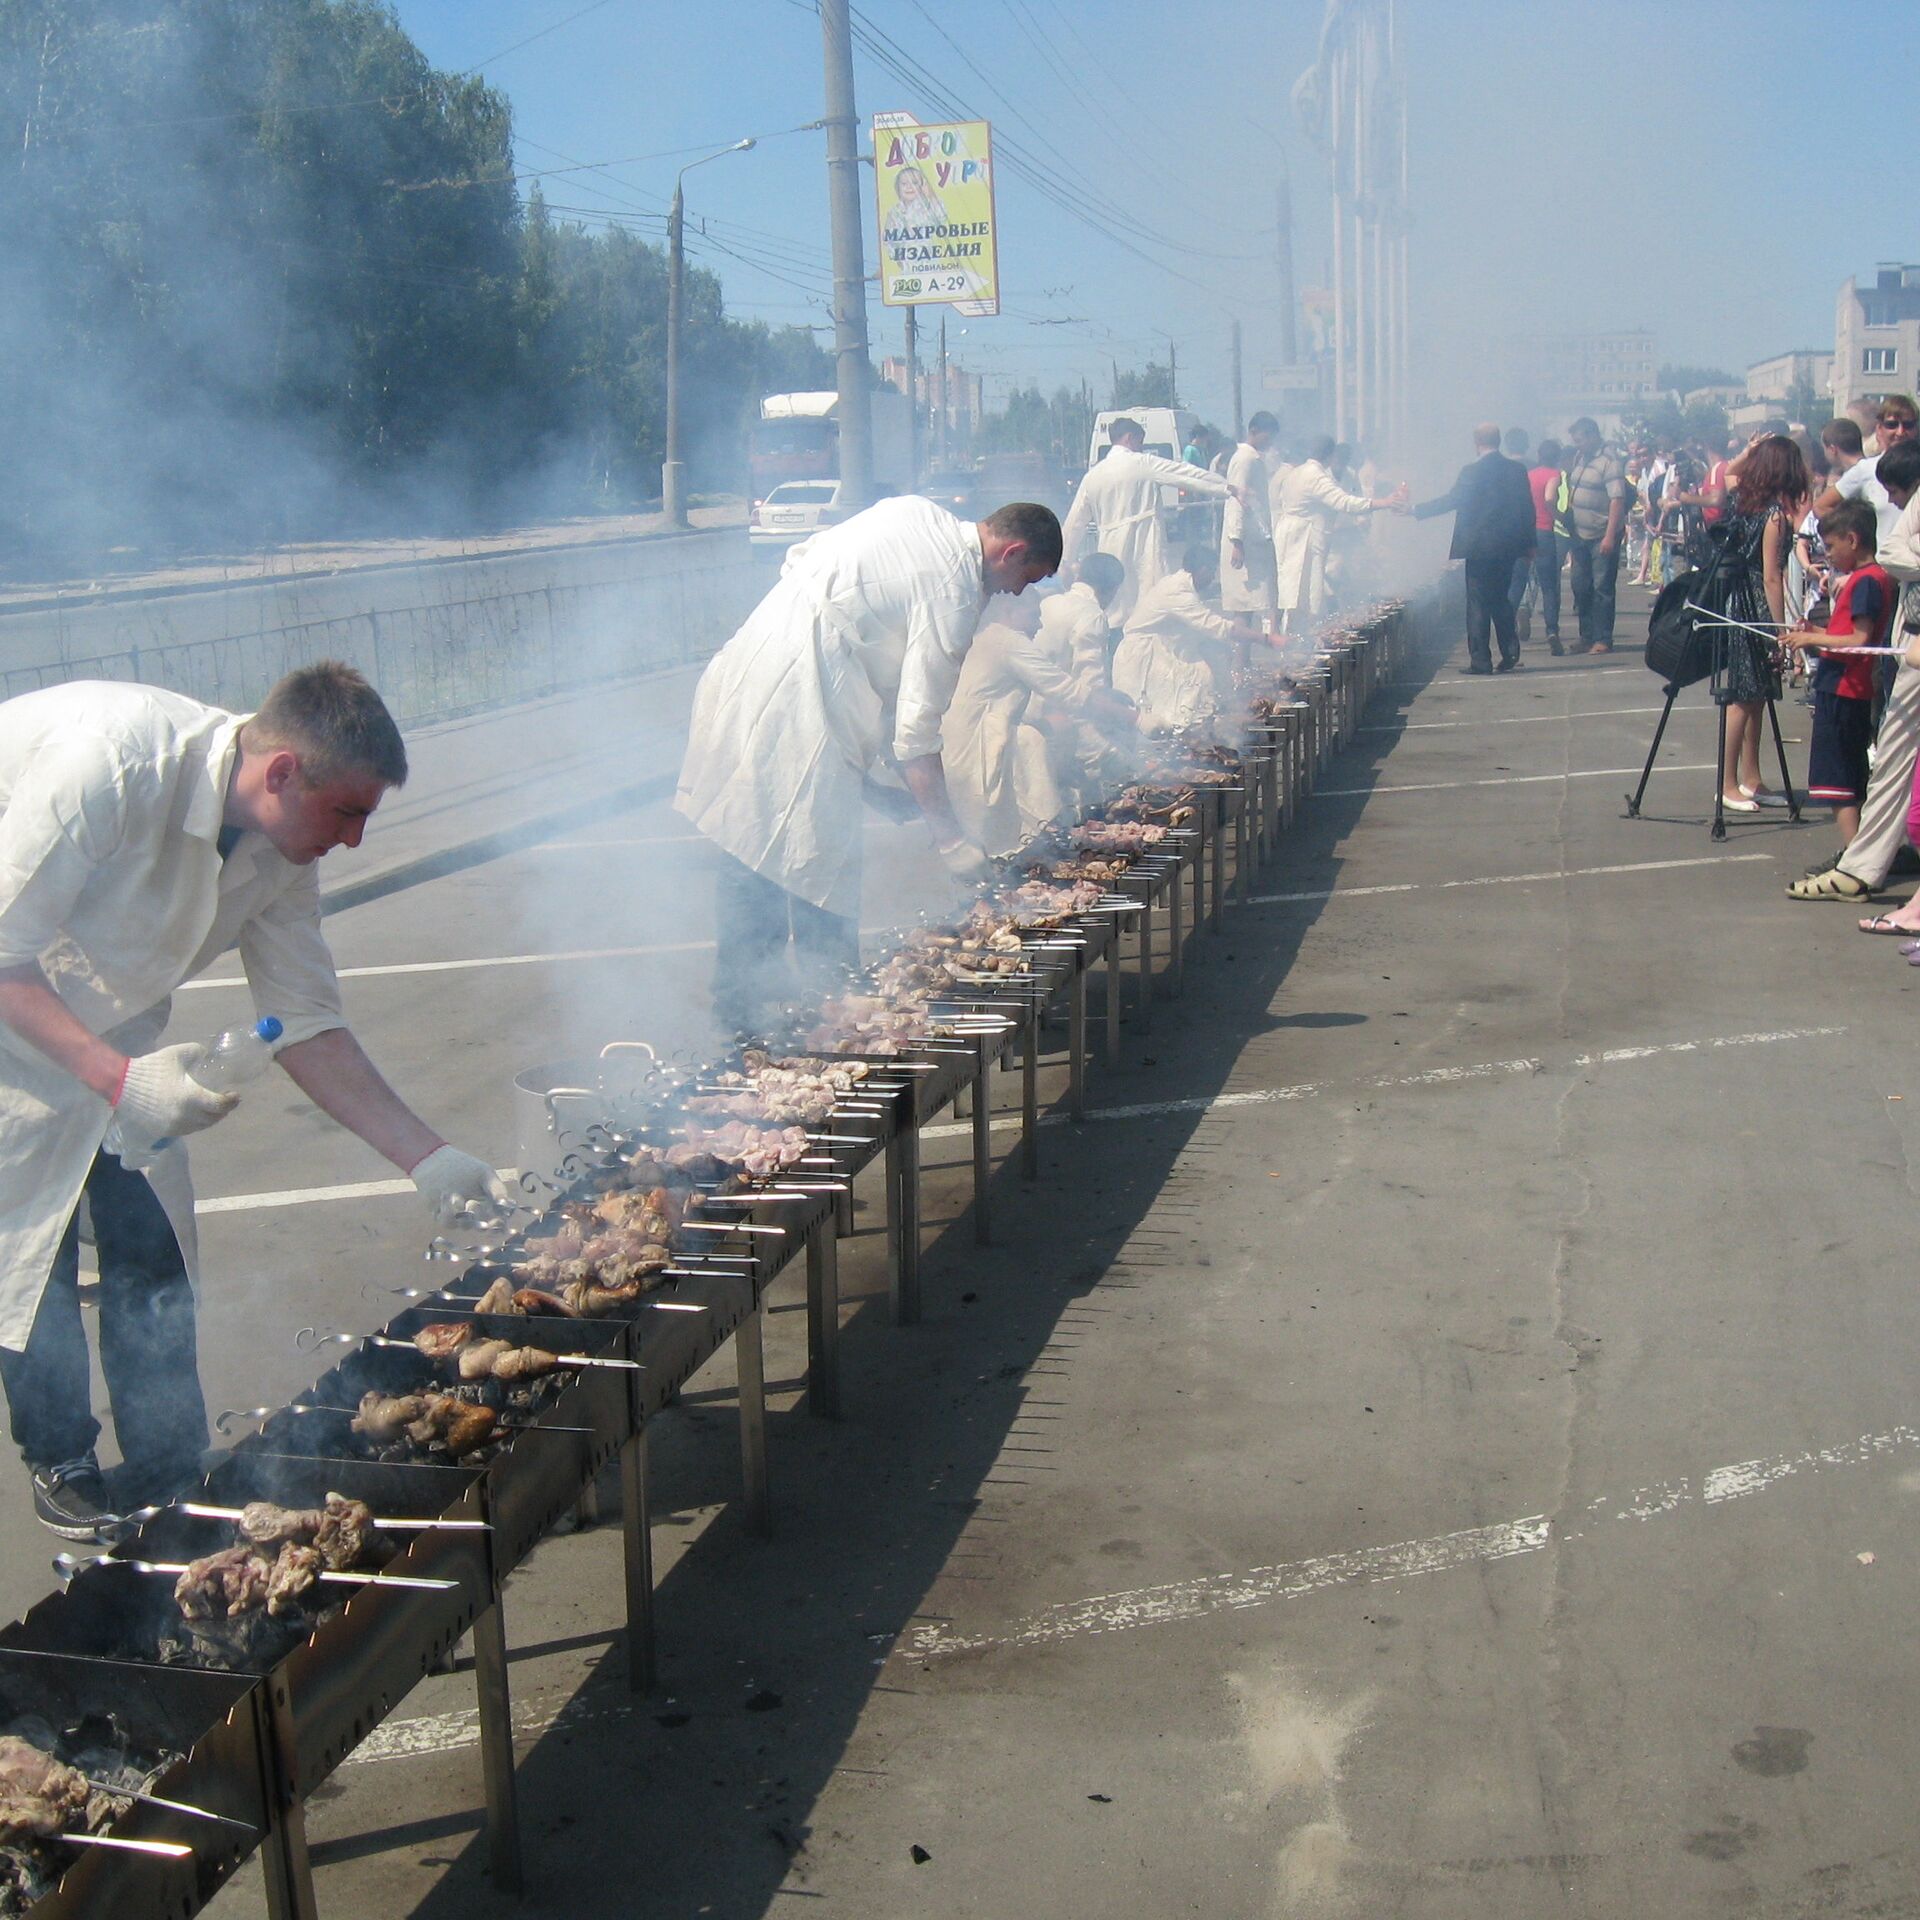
(755, 983)
(1594, 577)
(1549, 555)
(147, 1345)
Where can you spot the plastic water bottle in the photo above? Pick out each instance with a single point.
(235, 1057)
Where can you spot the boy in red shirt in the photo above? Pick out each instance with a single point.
(1843, 678)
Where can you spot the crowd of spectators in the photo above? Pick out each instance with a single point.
(1805, 549)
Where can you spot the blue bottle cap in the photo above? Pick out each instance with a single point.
(269, 1029)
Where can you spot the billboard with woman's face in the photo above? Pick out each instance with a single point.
(935, 194)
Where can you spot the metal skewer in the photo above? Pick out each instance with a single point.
(171, 1806)
(309, 1339)
(200, 1511)
(66, 1565)
(167, 1849)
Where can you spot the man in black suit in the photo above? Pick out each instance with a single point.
(1492, 507)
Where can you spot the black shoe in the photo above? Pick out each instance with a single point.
(1473, 666)
(1905, 863)
(1553, 645)
(72, 1499)
(1507, 666)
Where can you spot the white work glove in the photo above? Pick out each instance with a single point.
(965, 861)
(158, 1101)
(461, 1190)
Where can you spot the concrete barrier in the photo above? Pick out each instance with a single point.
(438, 637)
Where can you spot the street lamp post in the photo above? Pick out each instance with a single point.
(673, 497)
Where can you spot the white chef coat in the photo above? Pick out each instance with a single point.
(999, 777)
(111, 879)
(1247, 588)
(1074, 624)
(1175, 661)
(855, 651)
(1117, 509)
(1306, 501)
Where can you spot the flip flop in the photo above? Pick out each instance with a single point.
(1886, 923)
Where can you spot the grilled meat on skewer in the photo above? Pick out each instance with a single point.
(39, 1795)
(444, 1339)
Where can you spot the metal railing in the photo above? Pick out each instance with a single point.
(455, 655)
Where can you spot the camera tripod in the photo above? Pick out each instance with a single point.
(1721, 629)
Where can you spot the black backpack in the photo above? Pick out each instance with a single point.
(1679, 649)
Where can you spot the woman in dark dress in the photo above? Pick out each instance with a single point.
(1752, 542)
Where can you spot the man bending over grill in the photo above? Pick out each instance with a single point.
(842, 672)
(141, 835)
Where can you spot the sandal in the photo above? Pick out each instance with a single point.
(1886, 923)
(1728, 804)
(1835, 884)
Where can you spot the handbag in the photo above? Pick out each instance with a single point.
(1679, 649)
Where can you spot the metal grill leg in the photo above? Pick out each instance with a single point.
(750, 1364)
(283, 1849)
(1244, 833)
(1176, 918)
(906, 1255)
(1030, 1090)
(982, 1152)
(496, 1750)
(636, 1539)
(1112, 978)
(1077, 1044)
(1145, 956)
(823, 1323)
(1219, 871)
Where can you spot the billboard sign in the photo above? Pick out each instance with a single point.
(934, 189)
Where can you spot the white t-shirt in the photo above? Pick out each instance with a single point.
(1861, 481)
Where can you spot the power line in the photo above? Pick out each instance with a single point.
(593, 6)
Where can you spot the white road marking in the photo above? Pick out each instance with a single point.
(593, 846)
(1263, 1586)
(1505, 780)
(1146, 1110)
(1433, 1077)
(426, 1735)
(1586, 673)
(1508, 879)
(301, 1196)
(483, 960)
(1517, 719)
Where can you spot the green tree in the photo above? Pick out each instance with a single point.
(1151, 386)
(1685, 379)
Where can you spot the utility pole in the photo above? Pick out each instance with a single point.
(1283, 237)
(1239, 411)
(673, 491)
(943, 388)
(673, 498)
(1173, 371)
(913, 398)
(849, 261)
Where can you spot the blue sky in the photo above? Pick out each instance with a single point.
(1699, 167)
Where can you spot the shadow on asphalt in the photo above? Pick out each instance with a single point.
(701, 1798)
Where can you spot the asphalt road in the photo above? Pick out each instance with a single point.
(1441, 1452)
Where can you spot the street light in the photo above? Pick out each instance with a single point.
(672, 475)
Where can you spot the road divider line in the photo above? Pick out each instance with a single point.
(483, 960)
(1433, 1077)
(1505, 780)
(1508, 879)
(1402, 1560)
(1145, 1110)
(1516, 720)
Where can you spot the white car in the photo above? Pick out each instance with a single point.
(792, 511)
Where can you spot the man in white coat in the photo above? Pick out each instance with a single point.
(1308, 500)
(1117, 509)
(1074, 626)
(142, 834)
(1176, 659)
(999, 774)
(840, 675)
(1246, 534)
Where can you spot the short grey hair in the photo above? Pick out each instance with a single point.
(330, 716)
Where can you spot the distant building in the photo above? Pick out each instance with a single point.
(965, 393)
(1775, 378)
(1876, 336)
(1562, 376)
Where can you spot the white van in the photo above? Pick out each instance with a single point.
(1167, 429)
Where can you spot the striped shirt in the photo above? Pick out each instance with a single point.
(1594, 483)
